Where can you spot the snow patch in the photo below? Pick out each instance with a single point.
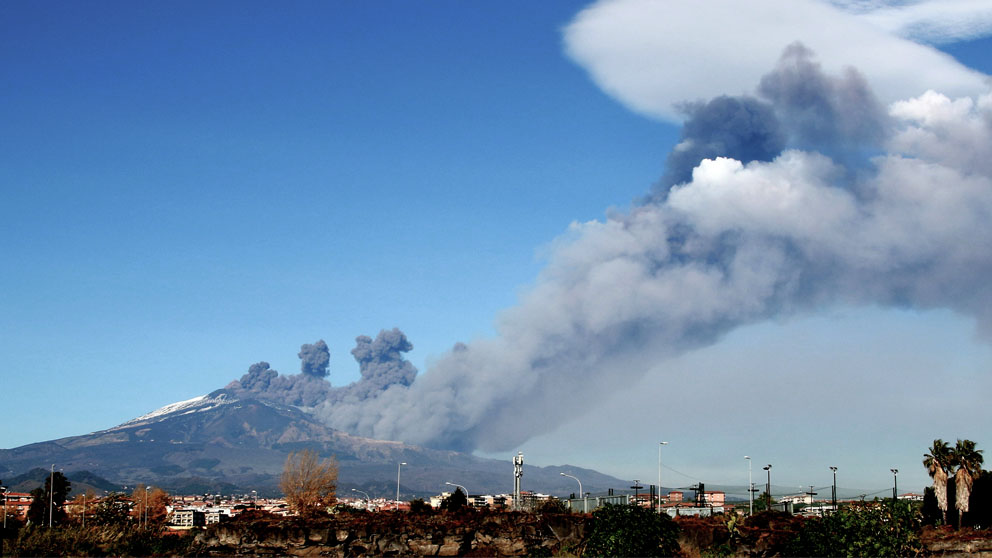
(196, 404)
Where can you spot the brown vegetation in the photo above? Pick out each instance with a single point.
(309, 484)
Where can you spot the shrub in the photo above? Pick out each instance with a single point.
(626, 530)
(861, 530)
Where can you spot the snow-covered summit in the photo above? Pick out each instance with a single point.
(196, 404)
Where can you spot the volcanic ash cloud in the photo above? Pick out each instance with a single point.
(868, 207)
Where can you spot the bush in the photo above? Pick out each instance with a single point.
(552, 505)
(861, 530)
(418, 505)
(626, 530)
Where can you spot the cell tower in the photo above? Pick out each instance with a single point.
(518, 471)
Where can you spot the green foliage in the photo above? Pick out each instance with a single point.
(762, 502)
(418, 505)
(980, 516)
(553, 505)
(455, 502)
(861, 530)
(36, 540)
(930, 511)
(113, 509)
(41, 507)
(626, 530)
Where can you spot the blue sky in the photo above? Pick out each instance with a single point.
(188, 189)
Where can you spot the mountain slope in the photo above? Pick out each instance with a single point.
(220, 442)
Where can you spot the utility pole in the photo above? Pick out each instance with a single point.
(636, 487)
(895, 486)
(811, 494)
(659, 473)
(768, 487)
(833, 489)
(51, 497)
(750, 485)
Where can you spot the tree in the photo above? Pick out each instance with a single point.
(308, 483)
(156, 500)
(969, 463)
(83, 505)
(627, 530)
(113, 509)
(938, 464)
(418, 505)
(455, 502)
(764, 502)
(48, 504)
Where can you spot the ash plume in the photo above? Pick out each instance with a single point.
(743, 128)
(314, 359)
(812, 196)
(304, 390)
(836, 116)
(380, 361)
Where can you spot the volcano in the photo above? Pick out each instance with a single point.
(223, 442)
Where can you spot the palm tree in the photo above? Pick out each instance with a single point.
(938, 463)
(969, 463)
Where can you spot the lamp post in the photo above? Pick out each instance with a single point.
(51, 497)
(659, 473)
(465, 490)
(147, 488)
(398, 467)
(768, 487)
(5, 491)
(750, 495)
(585, 502)
(895, 486)
(833, 489)
(367, 498)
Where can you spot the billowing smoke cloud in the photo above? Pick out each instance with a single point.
(799, 107)
(380, 361)
(737, 240)
(743, 128)
(314, 359)
(839, 117)
(261, 381)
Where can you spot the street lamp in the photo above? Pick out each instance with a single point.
(833, 489)
(768, 487)
(398, 467)
(750, 495)
(895, 486)
(659, 473)
(51, 498)
(367, 498)
(585, 502)
(147, 488)
(5, 491)
(465, 490)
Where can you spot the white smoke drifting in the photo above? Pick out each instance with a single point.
(902, 220)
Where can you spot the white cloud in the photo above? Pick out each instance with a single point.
(652, 55)
(932, 21)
